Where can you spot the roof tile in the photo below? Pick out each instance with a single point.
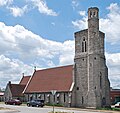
(24, 80)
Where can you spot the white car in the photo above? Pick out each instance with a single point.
(117, 105)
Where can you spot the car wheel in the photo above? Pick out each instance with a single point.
(37, 105)
(28, 105)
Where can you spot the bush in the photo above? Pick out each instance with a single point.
(113, 109)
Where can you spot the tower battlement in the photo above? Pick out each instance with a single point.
(93, 12)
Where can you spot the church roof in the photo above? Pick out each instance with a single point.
(58, 78)
(16, 89)
(24, 80)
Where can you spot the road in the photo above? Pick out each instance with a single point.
(25, 109)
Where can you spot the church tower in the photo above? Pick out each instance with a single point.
(90, 71)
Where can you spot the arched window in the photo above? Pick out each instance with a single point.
(39, 96)
(94, 14)
(31, 97)
(84, 47)
(100, 80)
(90, 14)
(64, 98)
(48, 98)
(58, 98)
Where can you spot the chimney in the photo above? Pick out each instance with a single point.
(23, 74)
(34, 68)
(9, 82)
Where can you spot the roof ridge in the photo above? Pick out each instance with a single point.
(54, 67)
(28, 82)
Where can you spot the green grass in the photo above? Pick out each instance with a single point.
(113, 109)
(2, 108)
(2, 102)
(116, 109)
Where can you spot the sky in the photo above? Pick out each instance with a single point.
(41, 33)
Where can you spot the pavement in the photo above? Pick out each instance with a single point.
(9, 110)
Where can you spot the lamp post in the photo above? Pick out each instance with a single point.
(53, 93)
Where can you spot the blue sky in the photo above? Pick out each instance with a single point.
(41, 33)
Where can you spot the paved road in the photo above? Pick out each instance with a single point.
(25, 109)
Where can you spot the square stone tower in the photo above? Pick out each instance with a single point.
(92, 85)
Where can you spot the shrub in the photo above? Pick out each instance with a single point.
(113, 109)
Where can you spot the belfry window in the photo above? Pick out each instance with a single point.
(84, 45)
(90, 14)
(93, 14)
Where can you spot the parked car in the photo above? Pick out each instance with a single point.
(13, 102)
(117, 105)
(37, 103)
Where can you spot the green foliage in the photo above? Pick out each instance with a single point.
(116, 109)
(113, 109)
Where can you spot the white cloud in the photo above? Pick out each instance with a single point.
(67, 53)
(111, 24)
(16, 11)
(43, 8)
(114, 59)
(75, 3)
(113, 62)
(12, 69)
(53, 23)
(5, 2)
(82, 13)
(80, 24)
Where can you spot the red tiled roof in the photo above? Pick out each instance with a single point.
(24, 80)
(16, 89)
(58, 78)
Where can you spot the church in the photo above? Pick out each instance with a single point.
(83, 84)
